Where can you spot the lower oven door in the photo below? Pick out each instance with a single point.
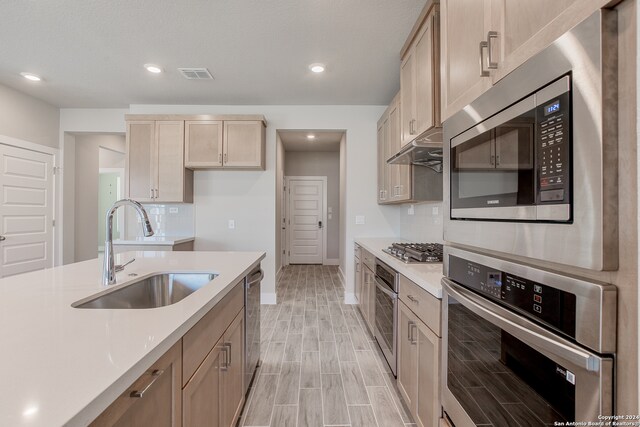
(501, 369)
(386, 316)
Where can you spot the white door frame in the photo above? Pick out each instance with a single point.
(119, 212)
(56, 256)
(285, 213)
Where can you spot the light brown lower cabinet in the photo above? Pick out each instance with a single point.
(198, 382)
(418, 367)
(213, 396)
(154, 399)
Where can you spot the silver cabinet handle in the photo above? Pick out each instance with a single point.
(409, 323)
(225, 360)
(220, 158)
(412, 299)
(413, 327)
(483, 45)
(225, 158)
(2, 238)
(491, 35)
(228, 345)
(154, 377)
(152, 193)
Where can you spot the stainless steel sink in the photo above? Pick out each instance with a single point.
(155, 291)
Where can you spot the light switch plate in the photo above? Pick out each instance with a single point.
(330, 216)
(434, 210)
(359, 219)
(411, 210)
(232, 224)
(330, 209)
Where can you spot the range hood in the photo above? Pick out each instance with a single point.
(422, 151)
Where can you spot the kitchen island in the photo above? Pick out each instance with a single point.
(62, 365)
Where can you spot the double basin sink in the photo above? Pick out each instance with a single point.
(154, 291)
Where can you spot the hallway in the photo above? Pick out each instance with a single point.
(320, 367)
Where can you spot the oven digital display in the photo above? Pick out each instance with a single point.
(554, 107)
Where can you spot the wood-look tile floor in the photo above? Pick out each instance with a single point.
(320, 365)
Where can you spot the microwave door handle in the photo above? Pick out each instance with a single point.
(528, 332)
(385, 290)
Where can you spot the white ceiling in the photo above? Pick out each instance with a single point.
(296, 140)
(91, 53)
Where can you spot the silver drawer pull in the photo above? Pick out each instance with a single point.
(154, 377)
(412, 299)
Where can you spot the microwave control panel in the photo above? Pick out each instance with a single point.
(553, 140)
(537, 301)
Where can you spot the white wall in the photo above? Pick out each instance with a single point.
(343, 206)
(249, 197)
(28, 118)
(321, 163)
(87, 149)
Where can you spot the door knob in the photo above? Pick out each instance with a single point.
(2, 238)
(319, 224)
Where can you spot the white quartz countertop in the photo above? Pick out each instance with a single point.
(427, 276)
(155, 240)
(61, 365)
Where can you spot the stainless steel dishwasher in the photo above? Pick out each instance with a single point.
(252, 324)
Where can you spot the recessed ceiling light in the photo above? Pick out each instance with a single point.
(153, 68)
(317, 67)
(311, 136)
(30, 76)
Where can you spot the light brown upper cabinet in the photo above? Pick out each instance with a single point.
(203, 143)
(394, 181)
(483, 41)
(465, 24)
(155, 162)
(244, 144)
(226, 144)
(420, 79)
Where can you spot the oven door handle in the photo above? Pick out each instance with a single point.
(385, 289)
(521, 328)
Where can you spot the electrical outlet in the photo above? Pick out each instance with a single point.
(434, 210)
(232, 224)
(359, 219)
(411, 210)
(173, 210)
(330, 209)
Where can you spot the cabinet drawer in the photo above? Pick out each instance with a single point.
(200, 339)
(422, 303)
(368, 259)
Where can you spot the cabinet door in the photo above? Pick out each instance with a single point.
(371, 303)
(388, 171)
(428, 379)
(401, 181)
(140, 167)
(407, 101)
(425, 76)
(203, 144)
(232, 378)
(153, 400)
(244, 144)
(407, 356)
(358, 281)
(525, 28)
(203, 397)
(464, 24)
(170, 173)
(382, 171)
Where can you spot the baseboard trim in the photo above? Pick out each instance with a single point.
(343, 282)
(268, 298)
(350, 298)
(332, 261)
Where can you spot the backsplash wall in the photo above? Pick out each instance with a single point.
(425, 225)
(174, 220)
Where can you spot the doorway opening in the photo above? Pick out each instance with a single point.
(310, 198)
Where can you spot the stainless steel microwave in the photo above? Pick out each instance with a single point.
(530, 166)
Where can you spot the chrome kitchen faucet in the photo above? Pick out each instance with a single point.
(109, 268)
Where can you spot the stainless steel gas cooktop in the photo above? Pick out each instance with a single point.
(416, 252)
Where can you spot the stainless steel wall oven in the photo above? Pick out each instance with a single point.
(524, 346)
(386, 312)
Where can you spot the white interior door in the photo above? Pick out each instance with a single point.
(306, 200)
(26, 210)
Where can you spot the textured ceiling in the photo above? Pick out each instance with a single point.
(297, 140)
(91, 53)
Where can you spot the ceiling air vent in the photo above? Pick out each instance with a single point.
(196, 73)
